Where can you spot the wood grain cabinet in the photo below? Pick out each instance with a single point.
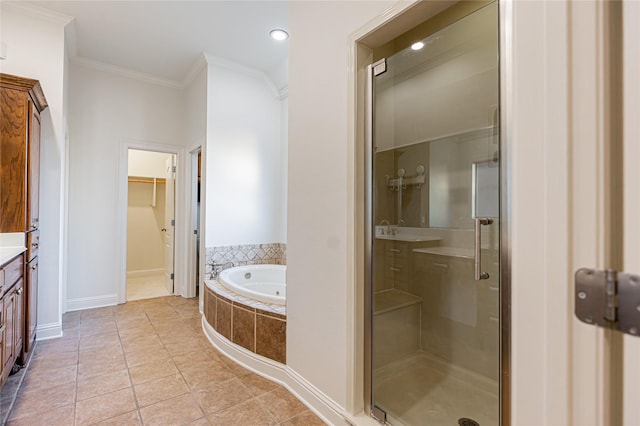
(21, 102)
(12, 323)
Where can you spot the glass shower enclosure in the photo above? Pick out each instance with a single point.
(435, 216)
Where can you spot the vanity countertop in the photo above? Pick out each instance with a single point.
(463, 253)
(11, 245)
(8, 253)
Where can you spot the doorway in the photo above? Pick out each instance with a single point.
(150, 224)
(434, 236)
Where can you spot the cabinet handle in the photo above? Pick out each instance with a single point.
(394, 250)
(34, 245)
(19, 291)
(34, 225)
(395, 269)
(33, 267)
(478, 274)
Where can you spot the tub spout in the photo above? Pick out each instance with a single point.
(216, 268)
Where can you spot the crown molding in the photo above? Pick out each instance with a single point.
(243, 69)
(198, 65)
(125, 72)
(36, 11)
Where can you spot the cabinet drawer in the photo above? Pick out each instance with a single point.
(396, 268)
(13, 271)
(33, 242)
(396, 249)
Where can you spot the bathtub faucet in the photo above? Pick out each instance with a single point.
(216, 268)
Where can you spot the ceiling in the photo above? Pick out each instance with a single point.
(166, 39)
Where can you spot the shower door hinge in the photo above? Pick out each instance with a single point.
(173, 169)
(379, 67)
(173, 222)
(608, 298)
(172, 276)
(379, 414)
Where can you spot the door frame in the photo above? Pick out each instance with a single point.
(190, 288)
(180, 228)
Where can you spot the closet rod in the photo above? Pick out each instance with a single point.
(159, 180)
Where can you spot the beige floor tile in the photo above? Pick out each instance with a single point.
(257, 385)
(221, 396)
(107, 354)
(47, 378)
(97, 368)
(62, 416)
(104, 407)
(190, 359)
(49, 347)
(97, 312)
(142, 343)
(152, 370)
(145, 356)
(105, 383)
(128, 419)
(247, 413)
(160, 390)
(43, 400)
(281, 404)
(201, 377)
(53, 361)
(305, 419)
(176, 411)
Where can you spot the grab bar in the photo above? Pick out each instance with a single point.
(478, 274)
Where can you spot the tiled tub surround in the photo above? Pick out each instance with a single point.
(256, 326)
(246, 254)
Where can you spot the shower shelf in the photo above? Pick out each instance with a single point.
(391, 300)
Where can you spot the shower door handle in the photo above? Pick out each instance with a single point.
(477, 259)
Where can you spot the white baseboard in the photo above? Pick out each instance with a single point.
(49, 331)
(324, 407)
(91, 302)
(141, 273)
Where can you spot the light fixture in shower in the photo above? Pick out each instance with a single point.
(279, 35)
(417, 45)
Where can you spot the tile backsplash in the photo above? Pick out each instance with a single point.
(247, 254)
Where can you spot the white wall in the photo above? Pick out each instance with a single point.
(147, 163)
(317, 254)
(35, 49)
(145, 239)
(244, 203)
(105, 111)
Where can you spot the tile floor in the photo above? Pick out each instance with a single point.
(146, 287)
(146, 362)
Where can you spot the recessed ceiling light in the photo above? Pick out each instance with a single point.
(417, 45)
(279, 35)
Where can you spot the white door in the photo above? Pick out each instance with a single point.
(631, 156)
(169, 218)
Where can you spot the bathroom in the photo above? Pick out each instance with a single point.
(304, 187)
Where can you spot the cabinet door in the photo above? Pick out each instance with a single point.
(13, 197)
(31, 305)
(33, 177)
(9, 340)
(18, 318)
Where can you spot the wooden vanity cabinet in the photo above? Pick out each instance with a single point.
(21, 102)
(12, 314)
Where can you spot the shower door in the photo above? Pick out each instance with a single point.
(435, 219)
